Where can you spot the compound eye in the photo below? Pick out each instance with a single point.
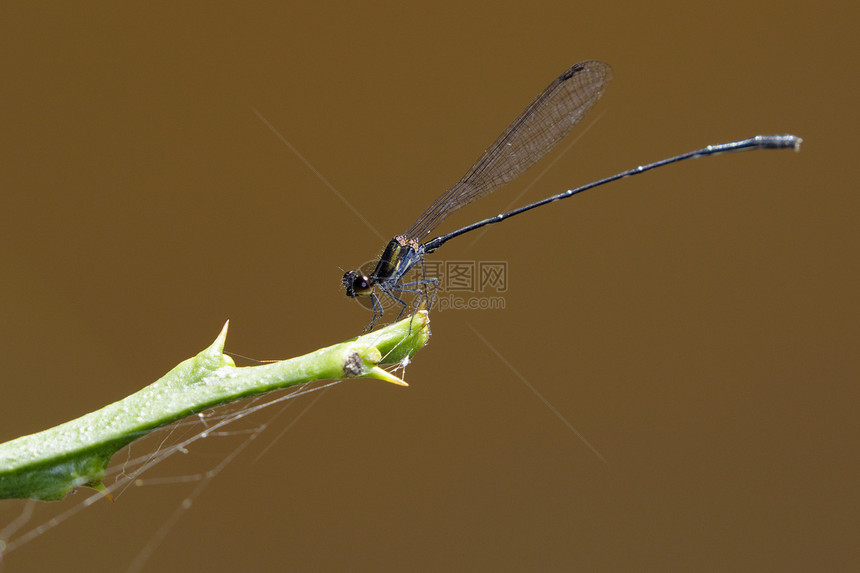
(357, 284)
(361, 284)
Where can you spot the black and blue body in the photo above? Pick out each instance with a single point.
(537, 130)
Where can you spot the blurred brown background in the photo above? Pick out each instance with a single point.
(698, 325)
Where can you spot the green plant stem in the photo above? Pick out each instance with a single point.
(49, 464)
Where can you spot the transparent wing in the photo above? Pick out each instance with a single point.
(548, 120)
